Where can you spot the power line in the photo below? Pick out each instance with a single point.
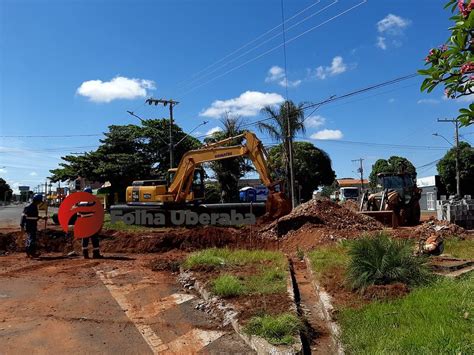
(262, 43)
(387, 145)
(54, 136)
(428, 164)
(361, 91)
(46, 149)
(330, 100)
(334, 98)
(244, 46)
(274, 48)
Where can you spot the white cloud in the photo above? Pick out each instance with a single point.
(327, 134)
(463, 99)
(392, 24)
(115, 89)
(428, 101)
(213, 130)
(315, 121)
(381, 43)
(247, 104)
(389, 28)
(337, 67)
(33, 173)
(277, 75)
(467, 98)
(3, 171)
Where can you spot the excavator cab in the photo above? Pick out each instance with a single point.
(197, 186)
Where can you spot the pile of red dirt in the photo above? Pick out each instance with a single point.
(317, 214)
(159, 240)
(182, 239)
(441, 228)
(386, 292)
(350, 205)
(7, 242)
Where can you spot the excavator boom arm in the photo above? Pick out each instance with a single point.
(253, 149)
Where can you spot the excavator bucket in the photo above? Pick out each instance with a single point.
(277, 205)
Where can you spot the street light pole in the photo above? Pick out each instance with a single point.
(172, 103)
(456, 140)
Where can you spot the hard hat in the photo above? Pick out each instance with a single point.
(38, 197)
(88, 189)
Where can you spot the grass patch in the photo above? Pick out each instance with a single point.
(329, 257)
(278, 330)
(227, 286)
(459, 248)
(228, 257)
(269, 277)
(435, 319)
(121, 226)
(380, 260)
(270, 280)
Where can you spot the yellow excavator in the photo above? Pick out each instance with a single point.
(184, 187)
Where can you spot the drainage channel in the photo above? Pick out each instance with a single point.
(315, 336)
(308, 332)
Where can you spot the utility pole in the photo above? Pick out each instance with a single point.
(456, 140)
(290, 157)
(361, 171)
(171, 103)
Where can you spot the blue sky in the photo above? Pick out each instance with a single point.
(75, 67)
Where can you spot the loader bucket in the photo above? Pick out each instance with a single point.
(277, 205)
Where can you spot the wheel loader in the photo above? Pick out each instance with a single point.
(184, 187)
(397, 201)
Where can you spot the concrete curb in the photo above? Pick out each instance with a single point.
(229, 316)
(326, 309)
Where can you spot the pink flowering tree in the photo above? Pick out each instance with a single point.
(452, 64)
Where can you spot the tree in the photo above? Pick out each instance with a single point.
(229, 171)
(127, 153)
(394, 164)
(328, 190)
(452, 64)
(447, 169)
(312, 167)
(277, 127)
(5, 191)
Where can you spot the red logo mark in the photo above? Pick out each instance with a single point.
(85, 211)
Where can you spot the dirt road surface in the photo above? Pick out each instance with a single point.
(114, 305)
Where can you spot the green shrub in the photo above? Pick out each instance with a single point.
(227, 286)
(278, 330)
(380, 260)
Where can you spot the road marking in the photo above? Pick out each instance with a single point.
(154, 341)
(191, 342)
(156, 307)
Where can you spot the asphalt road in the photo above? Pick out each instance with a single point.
(10, 215)
(104, 306)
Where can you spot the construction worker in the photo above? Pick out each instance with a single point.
(29, 221)
(94, 238)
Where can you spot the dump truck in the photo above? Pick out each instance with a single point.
(397, 201)
(184, 187)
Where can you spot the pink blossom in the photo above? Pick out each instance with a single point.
(465, 8)
(467, 68)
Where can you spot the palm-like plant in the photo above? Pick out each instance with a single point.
(229, 171)
(285, 122)
(381, 260)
